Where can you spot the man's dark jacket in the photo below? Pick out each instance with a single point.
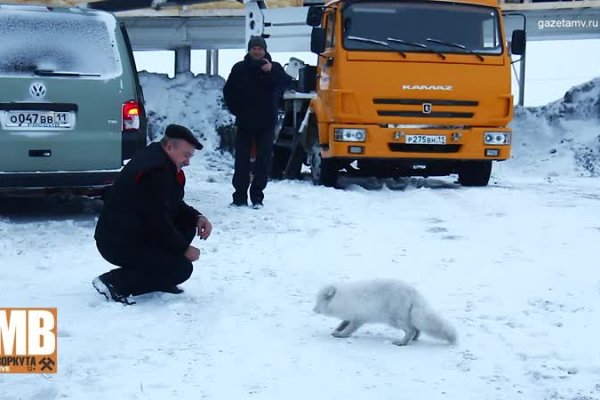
(143, 205)
(252, 95)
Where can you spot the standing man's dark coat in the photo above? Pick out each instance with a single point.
(252, 95)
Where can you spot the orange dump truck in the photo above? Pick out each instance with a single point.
(402, 88)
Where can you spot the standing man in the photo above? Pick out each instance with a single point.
(145, 227)
(252, 94)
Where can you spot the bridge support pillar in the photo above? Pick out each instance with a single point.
(212, 62)
(183, 60)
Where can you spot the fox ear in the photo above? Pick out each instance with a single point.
(329, 292)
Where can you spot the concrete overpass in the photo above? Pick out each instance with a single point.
(183, 31)
(197, 29)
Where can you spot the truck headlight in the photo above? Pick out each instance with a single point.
(350, 135)
(496, 138)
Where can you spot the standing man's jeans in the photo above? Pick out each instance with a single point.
(262, 164)
(145, 269)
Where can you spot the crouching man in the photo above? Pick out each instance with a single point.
(145, 227)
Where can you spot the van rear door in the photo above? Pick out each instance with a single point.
(62, 97)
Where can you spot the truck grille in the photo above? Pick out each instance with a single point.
(432, 114)
(428, 108)
(424, 148)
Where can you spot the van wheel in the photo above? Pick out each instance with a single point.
(474, 173)
(324, 171)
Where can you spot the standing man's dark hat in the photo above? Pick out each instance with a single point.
(257, 41)
(174, 131)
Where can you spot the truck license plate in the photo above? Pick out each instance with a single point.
(425, 139)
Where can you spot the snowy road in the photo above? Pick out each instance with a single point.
(513, 266)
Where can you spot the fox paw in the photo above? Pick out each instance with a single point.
(339, 334)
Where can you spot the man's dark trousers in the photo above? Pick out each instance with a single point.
(241, 178)
(145, 268)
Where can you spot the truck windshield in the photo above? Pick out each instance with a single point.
(439, 27)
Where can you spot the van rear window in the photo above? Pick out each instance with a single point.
(58, 43)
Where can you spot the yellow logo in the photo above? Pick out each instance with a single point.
(28, 340)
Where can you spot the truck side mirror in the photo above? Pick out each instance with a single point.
(517, 43)
(314, 16)
(317, 40)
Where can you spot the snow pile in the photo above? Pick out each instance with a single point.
(195, 101)
(581, 102)
(561, 138)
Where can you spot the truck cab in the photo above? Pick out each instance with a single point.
(406, 88)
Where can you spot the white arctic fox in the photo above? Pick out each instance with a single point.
(392, 302)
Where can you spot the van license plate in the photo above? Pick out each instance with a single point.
(37, 119)
(425, 139)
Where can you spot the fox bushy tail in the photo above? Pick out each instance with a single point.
(426, 320)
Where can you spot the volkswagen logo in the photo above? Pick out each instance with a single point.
(426, 108)
(37, 90)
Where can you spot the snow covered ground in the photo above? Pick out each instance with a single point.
(511, 265)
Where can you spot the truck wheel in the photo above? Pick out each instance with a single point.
(324, 171)
(475, 173)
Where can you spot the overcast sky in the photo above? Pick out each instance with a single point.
(552, 66)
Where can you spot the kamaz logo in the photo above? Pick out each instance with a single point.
(427, 87)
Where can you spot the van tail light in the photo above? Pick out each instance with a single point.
(131, 116)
